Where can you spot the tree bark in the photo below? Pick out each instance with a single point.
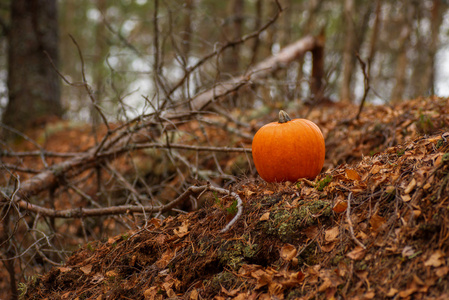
(348, 52)
(33, 84)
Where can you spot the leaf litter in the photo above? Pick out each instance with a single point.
(373, 225)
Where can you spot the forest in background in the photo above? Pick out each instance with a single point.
(150, 88)
(123, 41)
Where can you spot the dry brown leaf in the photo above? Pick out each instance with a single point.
(332, 234)
(311, 232)
(435, 260)
(265, 216)
(248, 192)
(392, 292)
(241, 296)
(352, 174)
(276, 289)
(86, 269)
(166, 257)
(232, 293)
(182, 230)
(369, 295)
(340, 207)
(288, 252)
(194, 295)
(377, 222)
(406, 198)
(328, 247)
(111, 273)
(375, 169)
(155, 222)
(442, 271)
(410, 186)
(64, 269)
(357, 253)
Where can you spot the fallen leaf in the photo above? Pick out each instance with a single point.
(357, 254)
(340, 207)
(369, 295)
(232, 293)
(166, 257)
(435, 260)
(288, 252)
(442, 271)
(332, 234)
(377, 222)
(410, 186)
(194, 295)
(311, 232)
(86, 269)
(392, 292)
(265, 216)
(248, 193)
(111, 273)
(352, 174)
(241, 296)
(182, 230)
(156, 222)
(406, 198)
(64, 269)
(328, 247)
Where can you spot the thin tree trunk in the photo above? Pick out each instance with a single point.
(186, 33)
(33, 84)
(436, 20)
(422, 82)
(98, 69)
(234, 31)
(397, 93)
(257, 24)
(348, 51)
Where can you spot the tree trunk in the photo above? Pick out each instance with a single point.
(233, 31)
(348, 52)
(436, 19)
(402, 61)
(33, 84)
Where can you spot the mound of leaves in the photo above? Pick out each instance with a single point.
(375, 229)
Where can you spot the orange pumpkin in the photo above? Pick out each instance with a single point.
(288, 150)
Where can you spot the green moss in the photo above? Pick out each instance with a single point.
(286, 224)
(323, 183)
(224, 279)
(235, 253)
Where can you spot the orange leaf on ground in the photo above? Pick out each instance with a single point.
(352, 174)
(340, 207)
(357, 254)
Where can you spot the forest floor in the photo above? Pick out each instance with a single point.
(373, 225)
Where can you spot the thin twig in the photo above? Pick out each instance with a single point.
(351, 228)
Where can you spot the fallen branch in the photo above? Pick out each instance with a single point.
(125, 209)
(260, 71)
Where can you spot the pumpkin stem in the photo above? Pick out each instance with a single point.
(284, 117)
